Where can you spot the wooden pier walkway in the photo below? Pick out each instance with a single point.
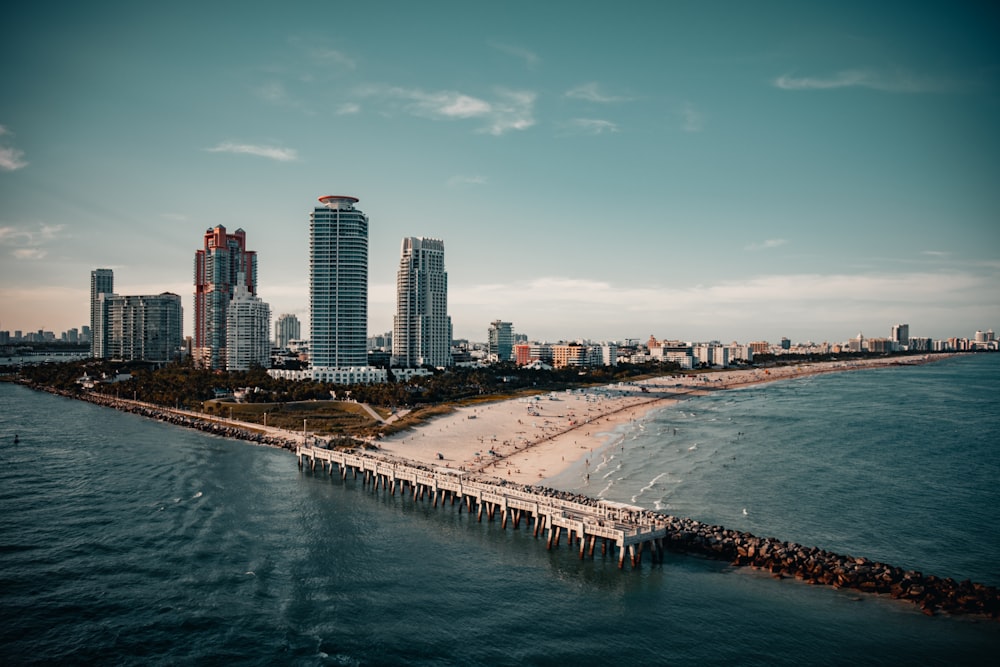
(615, 525)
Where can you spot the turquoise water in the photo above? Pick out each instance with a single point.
(126, 541)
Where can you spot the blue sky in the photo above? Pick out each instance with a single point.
(730, 171)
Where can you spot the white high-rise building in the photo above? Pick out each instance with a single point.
(248, 330)
(338, 292)
(147, 328)
(421, 334)
(286, 329)
(102, 281)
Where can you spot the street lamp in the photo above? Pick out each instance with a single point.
(303, 431)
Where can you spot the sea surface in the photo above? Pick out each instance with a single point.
(128, 541)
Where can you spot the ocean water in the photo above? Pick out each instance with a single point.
(127, 541)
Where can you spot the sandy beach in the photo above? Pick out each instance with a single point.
(529, 440)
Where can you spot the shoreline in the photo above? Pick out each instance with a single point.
(535, 440)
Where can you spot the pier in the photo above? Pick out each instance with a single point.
(621, 530)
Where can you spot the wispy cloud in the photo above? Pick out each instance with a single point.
(529, 58)
(692, 119)
(276, 93)
(830, 303)
(766, 245)
(591, 92)
(897, 81)
(459, 180)
(11, 159)
(270, 152)
(28, 243)
(508, 110)
(348, 109)
(338, 58)
(592, 125)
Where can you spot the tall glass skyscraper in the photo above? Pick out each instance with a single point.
(421, 334)
(218, 267)
(338, 285)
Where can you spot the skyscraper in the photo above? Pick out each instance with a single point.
(421, 332)
(338, 284)
(287, 328)
(248, 331)
(102, 281)
(218, 267)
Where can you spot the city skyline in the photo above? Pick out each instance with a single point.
(700, 173)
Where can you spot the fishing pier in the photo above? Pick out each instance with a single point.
(614, 525)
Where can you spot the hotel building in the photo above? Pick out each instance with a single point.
(219, 266)
(338, 292)
(421, 334)
(248, 331)
(146, 328)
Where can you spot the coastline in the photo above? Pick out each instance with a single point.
(528, 440)
(535, 440)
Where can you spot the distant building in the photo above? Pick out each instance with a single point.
(421, 333)
(223, 262)
(248, 331)
(901, 335)
(380, 342)
(286, 329)
(500, 341)
(102, 281)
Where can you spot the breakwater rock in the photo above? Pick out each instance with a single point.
(817, 566)
(175, 417)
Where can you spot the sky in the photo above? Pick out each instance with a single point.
(695, 171)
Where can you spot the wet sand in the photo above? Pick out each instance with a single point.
(529, 440)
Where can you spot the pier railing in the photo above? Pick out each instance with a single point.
(614, 526)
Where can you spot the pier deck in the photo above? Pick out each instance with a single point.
(615, 525)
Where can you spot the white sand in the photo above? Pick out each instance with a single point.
(533, 439)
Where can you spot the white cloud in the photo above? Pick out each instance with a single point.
(28, 244)
(271, 152)
(348, 108)
(591, 92)
(513, 110)
(458, 180)
(11, 159)
(889, 82)
(828, 305)
(509, 110)
(766, 245)
(336, 57)
(530, 59)
(592, 125)
(693, 120)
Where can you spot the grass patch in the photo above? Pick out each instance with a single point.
(320, 417)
